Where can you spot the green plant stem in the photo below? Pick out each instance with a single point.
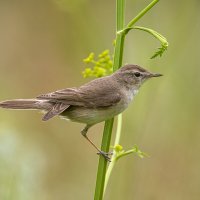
(119, 47)
(118, 55)
(102, 161)
(157, 35)
(143, 12)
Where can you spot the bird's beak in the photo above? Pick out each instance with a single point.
(155, 75)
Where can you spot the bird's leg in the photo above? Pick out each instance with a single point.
(104, 154)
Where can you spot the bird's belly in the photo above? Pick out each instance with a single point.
(92, 115)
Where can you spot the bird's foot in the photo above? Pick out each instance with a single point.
(106, 155)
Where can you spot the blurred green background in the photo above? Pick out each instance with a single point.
(42, 47)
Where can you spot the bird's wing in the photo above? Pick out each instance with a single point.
(96, 93)
(56, 109)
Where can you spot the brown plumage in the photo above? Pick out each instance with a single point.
(94, 102)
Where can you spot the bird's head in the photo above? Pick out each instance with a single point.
(133, 75)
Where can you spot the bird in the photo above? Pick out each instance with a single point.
(92, 103)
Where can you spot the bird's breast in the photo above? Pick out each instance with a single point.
(93, 115)
(129, 95)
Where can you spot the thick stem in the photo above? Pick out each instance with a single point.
(102, 161)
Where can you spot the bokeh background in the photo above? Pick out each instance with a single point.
(42, 45)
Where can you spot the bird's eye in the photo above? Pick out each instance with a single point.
(137, 74)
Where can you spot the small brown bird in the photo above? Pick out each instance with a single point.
(91, 103)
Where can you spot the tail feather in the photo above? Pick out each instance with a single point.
(26, 104)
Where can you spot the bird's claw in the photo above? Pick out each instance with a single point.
(106, 155)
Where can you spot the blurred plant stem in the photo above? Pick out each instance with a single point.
(113, 161)
(117, 63)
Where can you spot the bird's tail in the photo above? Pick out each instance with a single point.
(26, 104)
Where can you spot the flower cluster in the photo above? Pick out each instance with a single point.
(98, 67)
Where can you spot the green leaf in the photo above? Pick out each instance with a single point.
(159, 52)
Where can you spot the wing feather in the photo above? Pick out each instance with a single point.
(97, 93)
(55, 110)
